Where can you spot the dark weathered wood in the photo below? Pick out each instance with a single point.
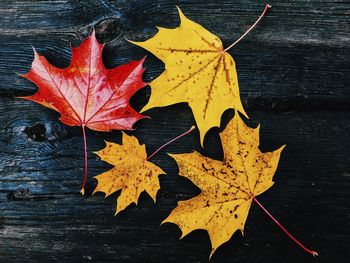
(294, 71)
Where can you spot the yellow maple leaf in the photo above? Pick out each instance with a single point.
(227, 187)
(197, 70)
(132, 173)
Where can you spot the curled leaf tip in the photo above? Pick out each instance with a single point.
(143, 59)
(211, 253)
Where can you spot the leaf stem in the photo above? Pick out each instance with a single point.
(171, 141)
(82, 191)
(267, 7)
(314, 253)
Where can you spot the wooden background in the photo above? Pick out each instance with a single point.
(294, 72)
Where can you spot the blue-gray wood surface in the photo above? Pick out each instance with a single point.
(294, 73)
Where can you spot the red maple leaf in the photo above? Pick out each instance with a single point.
(87, 94)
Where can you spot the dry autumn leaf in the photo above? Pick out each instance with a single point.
(132, 173)
(228, 187)
(198, 70)
(87, 94)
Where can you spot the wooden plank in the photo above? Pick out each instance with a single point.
(305, 196)
(299, 68)
(294, 78)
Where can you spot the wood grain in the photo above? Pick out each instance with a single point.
(294, 73)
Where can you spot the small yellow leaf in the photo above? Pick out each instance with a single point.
(197, 71)
(132, 173)
(227, 187)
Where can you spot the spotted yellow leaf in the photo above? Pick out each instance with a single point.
(197, 70)
(227, 187)
(132, 173)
